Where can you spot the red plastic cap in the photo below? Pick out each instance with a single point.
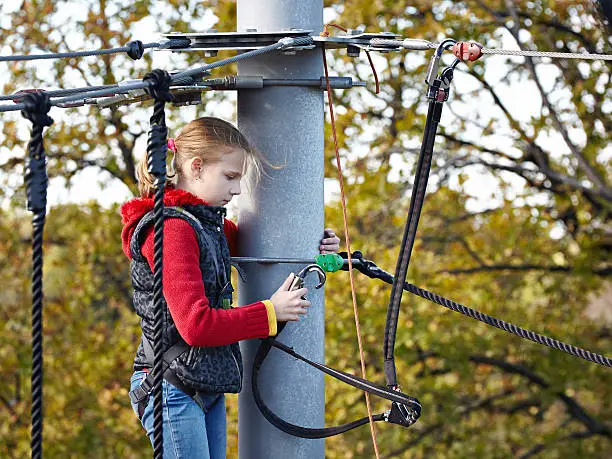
(467, 51)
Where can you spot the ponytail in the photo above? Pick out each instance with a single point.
(146, 182)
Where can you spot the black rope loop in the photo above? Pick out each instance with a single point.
(159, 85)
(157, 151)
(37, 106)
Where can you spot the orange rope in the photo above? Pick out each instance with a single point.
(373, 71)
(325, 33)
(348, 249)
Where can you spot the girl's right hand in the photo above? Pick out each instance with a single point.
(288, 304)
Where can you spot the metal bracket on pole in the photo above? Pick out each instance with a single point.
(212, 42)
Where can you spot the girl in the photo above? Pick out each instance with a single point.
(201, 330)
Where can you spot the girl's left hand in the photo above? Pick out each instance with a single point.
(330, 242)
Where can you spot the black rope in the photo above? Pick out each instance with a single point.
(36, 110)
(134, 49)
(371, 270)
(159, 88)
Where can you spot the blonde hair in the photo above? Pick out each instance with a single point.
(202, 138)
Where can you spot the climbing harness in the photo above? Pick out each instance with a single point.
(158, 86)
(140, 395)
(36, 109)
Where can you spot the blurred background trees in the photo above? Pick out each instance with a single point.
(517, 224)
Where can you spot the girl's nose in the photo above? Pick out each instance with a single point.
(236, 189)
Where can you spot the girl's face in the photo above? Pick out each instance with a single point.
(218, 182)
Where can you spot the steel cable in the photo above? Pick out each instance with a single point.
(551, 54)
(184, 77)
(424, 45)
(134, 50)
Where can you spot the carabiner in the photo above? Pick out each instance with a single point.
(298, 280)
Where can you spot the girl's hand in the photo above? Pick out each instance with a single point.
(288, 304)
(330, 242)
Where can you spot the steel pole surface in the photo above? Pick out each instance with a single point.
(283, 216)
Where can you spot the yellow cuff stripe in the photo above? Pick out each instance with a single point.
(271, 317)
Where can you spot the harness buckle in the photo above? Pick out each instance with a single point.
(141, 392)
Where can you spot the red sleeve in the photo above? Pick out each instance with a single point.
(231, 234)
(196, 321)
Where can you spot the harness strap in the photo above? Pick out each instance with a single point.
(140, 395)
(405, 409)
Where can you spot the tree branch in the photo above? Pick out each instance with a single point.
(574, 409)
(527, 267)
(467, 143)
(415, 441)
(586, 167)
(541, 446)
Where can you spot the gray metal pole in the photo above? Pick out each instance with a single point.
(282, 216)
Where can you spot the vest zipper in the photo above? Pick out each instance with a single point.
(237, 368)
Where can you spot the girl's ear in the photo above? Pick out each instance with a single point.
(195, 167)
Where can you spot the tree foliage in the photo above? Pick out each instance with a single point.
(537, 254)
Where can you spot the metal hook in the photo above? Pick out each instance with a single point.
(322, 277)
(298, 280)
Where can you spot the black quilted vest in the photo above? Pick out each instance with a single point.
(207, 369)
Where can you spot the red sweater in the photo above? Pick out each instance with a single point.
(196, 321)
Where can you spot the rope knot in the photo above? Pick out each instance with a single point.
(159, 86)
(37, 106)
(135, 49)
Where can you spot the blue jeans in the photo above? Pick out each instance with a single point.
(190, 431)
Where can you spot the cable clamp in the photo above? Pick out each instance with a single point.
(286, 42)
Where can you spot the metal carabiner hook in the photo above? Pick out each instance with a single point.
(298, 280)
(310, 268)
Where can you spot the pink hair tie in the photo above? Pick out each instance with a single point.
(171, 145)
